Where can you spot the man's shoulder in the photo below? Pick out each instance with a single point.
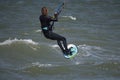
(43, 16)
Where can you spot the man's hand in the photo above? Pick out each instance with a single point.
(55, 15)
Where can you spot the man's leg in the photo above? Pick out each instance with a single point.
(60, 45)
(65, 43)
(61, 41)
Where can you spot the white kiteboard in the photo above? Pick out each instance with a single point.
(74, 51)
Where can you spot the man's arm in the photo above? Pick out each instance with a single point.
(55, 18)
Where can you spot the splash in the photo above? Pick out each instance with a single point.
(39, 30)
(25, 41)
(88, 55)
(90, 50)
(71, 17)
(54, 46)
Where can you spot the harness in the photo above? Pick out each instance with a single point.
(49, 28)
(45, 28)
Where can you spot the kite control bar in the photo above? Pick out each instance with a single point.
(59, 8)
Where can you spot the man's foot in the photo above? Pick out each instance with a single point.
(64, 51)
(68, 52)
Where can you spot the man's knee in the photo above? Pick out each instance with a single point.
(63, 39)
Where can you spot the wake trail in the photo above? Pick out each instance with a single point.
(86, 54)
(25, 41)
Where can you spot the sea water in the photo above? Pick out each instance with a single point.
(92, 25)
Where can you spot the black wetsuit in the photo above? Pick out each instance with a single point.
(48, 33)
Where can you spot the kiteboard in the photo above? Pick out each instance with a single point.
(74, 51)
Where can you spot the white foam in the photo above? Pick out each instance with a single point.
(41, 65)
(55, 46)
(71, 17)
(87, 47)
(11, 41)
(39, 30)
(90, 50)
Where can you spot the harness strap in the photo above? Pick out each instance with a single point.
(45, 28)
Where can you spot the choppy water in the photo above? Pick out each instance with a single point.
(93, 25)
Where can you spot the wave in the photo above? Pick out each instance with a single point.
(71, 17)
(54, 46)
(89, 49)
(25, 41)
(39, 30)
(88, 55)
(38, 64)
(86, 50)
